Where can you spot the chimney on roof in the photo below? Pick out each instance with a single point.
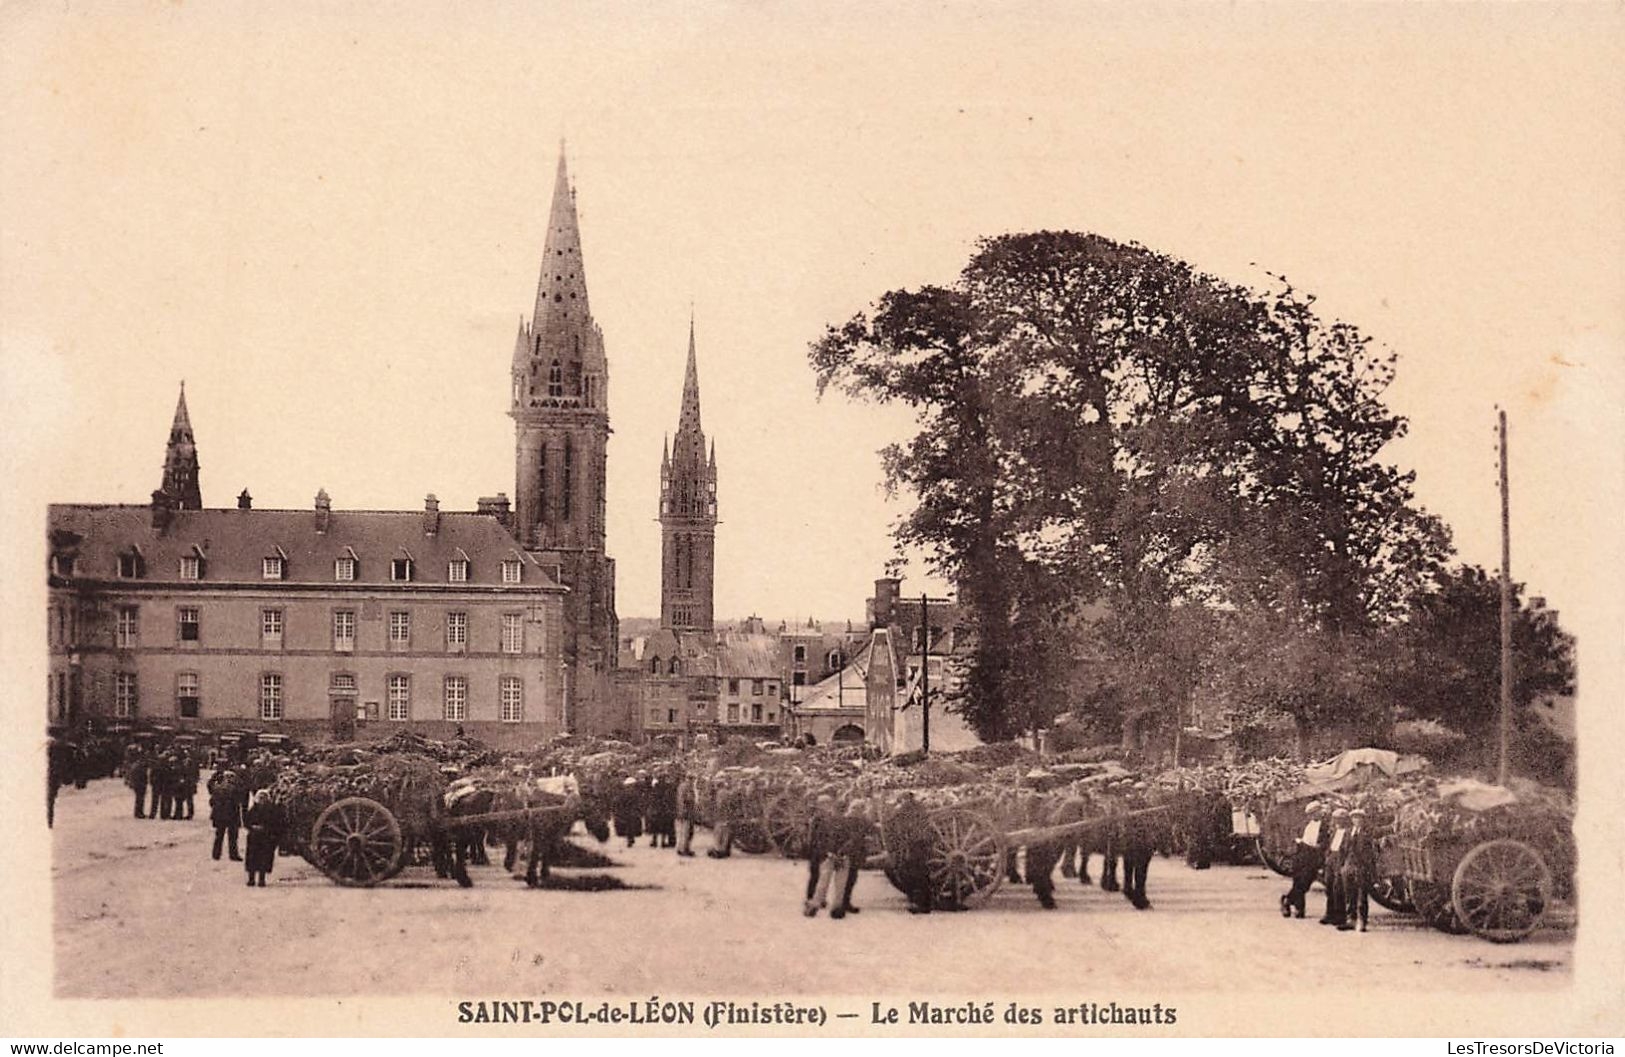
(163, 510)
(324, 510)
(431, 515)
(244, 500)
(883, 606)
(496, 506)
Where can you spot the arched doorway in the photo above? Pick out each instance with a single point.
(850, 734)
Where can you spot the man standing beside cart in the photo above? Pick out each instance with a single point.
(1308, 856)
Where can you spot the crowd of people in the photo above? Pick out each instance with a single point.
(169, 773)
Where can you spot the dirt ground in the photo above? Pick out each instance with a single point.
(141, 910)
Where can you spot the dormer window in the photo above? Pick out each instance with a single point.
(400, 569)
(457, 571)
(273, 567)
(191, 567)
(62, 564)
(130, 565)
(344, 569)
(512, 572)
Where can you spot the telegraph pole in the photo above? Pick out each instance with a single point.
(925, 675)
(1506, 609)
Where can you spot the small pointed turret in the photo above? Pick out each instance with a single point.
(180, 460)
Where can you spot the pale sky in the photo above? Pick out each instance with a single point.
(330, 224)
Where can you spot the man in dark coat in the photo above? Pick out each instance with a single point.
(687, 809)
(662, 811)
(821, 840)
(161, 776)
(1332, 875)
(1359, 869)
(187, 774)
(226, 799)
(1308, 856)
(136, 776)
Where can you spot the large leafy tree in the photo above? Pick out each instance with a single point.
(1102, 424)
(1449, 666)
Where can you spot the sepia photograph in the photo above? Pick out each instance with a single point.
(815, 520)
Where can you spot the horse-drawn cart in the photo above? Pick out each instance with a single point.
(360, 842)
(1483, 859)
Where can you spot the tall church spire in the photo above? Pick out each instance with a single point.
(180, 460)
(688, 514)
(561, 289)
(560, 409)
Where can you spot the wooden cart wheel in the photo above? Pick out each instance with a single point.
(966, 858)
(1432, 902)
(1392, 893)
(788, 821)
(1501, 890)
(357, 842)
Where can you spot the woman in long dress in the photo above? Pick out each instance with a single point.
(264, 821)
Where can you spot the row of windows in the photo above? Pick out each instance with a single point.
(834, 659)
(189, 628)
(756, 714)
(131, 566)
(398, 697)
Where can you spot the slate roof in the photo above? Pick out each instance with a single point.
(234, 542)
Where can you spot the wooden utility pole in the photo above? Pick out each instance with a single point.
(1506, 610)
(925, 675)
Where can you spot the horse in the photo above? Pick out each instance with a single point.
(552, 806)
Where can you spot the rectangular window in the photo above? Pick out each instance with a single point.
(457, 571)
(798, 678)
(654, 717)
(191, 567)
(124, 695)
(400, 628)
(344, 630)
(733, 713)
(270, 695)
(756, 687)
(456, 698)
(344, 569)
(400, 698)
(756, 713)
(271, 568)
(772, 689)
(400, 569)
(271, 627)
(671, 715)
(342, 683)
(128, 627)
(187, 619)
(512, 572)
(801, 655)
(511, 693)
(513, 633)
(733, 686)
(186, 695)
(456, 630)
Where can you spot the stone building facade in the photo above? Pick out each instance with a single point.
(318, 622)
